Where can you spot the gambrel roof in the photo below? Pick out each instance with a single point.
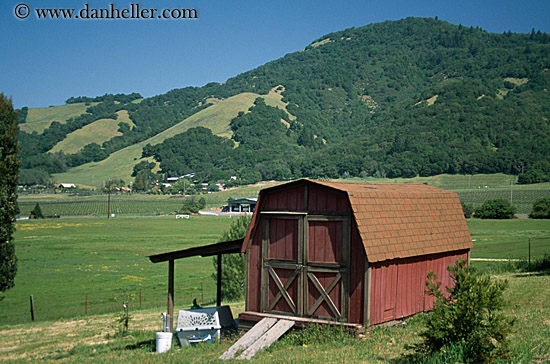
(397, 220)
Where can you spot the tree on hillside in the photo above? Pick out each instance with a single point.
(9, 173)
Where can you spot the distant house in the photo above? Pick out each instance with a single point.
(67, 185)
(241, 205)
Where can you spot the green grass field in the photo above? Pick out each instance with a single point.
(62, 260)
(509, 239)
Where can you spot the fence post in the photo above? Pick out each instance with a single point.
(529, 252)
(32, 308)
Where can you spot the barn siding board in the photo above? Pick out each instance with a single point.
(357, 269)
(254, 281)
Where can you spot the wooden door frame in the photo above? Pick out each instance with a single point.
(268, 264)
(304, 270)
(342, 269)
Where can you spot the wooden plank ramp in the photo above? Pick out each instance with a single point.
(261, 336)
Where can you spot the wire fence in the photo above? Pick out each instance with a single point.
(496, 249)
(50, 308)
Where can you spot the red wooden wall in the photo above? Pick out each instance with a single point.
(398, 286)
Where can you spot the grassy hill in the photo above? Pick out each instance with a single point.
(39, 119)
(97, 132)
(120, 163)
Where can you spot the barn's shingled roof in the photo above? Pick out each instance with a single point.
(401, 220)
(406, 220)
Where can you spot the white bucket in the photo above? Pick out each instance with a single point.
(164, 341)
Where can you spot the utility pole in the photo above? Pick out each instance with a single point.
(511, 189)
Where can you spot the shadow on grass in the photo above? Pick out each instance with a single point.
(145, 344)
(450, 354)
(532, 274)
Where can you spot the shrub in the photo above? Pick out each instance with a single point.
(496, 209)
(192, 205)
(469, 318)
(36, 212)
(541, 209)
(467, 209)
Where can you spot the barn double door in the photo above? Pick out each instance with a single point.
(305, 260)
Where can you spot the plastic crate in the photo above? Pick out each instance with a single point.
(203, 324)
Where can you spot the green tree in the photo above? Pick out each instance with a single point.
(541, 209)
(469, 317)
(192, 205)
(467, 209)
(496, 209)
(36, 212)
(233, 265)
(142, 181)
(9, 174)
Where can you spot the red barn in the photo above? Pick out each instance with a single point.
(351, 252)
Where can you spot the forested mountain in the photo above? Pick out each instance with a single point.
(400, 98)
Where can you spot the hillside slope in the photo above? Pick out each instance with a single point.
(39, 119)
(120, 163)
(98, 132)
(394, 99)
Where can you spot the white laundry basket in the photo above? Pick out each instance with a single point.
(203, 324)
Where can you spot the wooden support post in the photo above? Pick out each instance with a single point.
(32, 308)
(219, 287)
(170, 310)
(109, 201)
(529, 252)
(367, 286)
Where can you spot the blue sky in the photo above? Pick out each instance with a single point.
(44, 62)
